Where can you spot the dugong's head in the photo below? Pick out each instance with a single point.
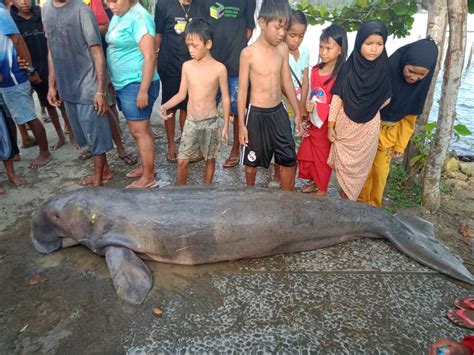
(59, 222)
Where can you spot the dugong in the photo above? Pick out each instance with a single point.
(197, 224)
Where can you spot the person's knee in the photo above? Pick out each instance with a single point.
(287, 160)
(183, 163)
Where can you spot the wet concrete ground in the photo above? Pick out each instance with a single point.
(358, 297)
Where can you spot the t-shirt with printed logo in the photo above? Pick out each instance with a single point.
(230, 20)
(171, 18)
(10, 72)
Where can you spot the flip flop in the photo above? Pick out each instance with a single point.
(129, 159)
(274, 185)
(231, 162)
(465, 303)
(459, 315)
(151, 185)
(86, 154)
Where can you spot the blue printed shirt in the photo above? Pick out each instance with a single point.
(10, 72)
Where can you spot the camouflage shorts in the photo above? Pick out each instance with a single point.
(201, 138)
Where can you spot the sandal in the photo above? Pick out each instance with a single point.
(231, 162)
(460, 318)
(129, 159)
(465, 303)
(152, 185)
(86, 154)
(309, 188)
(172, 157)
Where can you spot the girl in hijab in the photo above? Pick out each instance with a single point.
(361, 89)
(412, 69)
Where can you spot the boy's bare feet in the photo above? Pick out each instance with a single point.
(58, 144)
(40, 161)
(17, 181)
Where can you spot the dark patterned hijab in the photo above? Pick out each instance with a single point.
(364, 85)
(410, 98)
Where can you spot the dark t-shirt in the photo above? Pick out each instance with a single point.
(170, 22)
(229, 20)
(33, 33)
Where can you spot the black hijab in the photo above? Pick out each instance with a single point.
(410, 98)
(364, 85)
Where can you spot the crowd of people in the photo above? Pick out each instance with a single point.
(86, 58)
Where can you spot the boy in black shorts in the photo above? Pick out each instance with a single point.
(265, 129)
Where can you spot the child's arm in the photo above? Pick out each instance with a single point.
(287, 83)
(304, 94)
(224, 86)
(244, 71)
(179, 97)
(334, 108)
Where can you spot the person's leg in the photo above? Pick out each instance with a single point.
(182, 118)
(67, 127)
(100, 163)
(116, 134)
(380, 170)
(288, 174)
(183, 168)
(39, 133)
(209, 171)
(12, 177)
(2, 189)
(146, 147)
(26, 140)
(170, 125)
(53, 115)
(276, 173)
(250, 175)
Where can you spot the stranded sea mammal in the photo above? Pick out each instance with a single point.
(197, 225)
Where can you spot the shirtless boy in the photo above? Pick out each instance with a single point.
(266, 130)
(200, 78)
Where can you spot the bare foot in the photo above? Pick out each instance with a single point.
(2, 190)
(40, 161)
(17, 181)
(29, 142)
(58, 144)
(17, 157)
(320, 193)
(135, 173)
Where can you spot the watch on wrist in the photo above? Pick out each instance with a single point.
(30, 69)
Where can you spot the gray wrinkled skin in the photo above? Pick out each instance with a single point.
(197, 225)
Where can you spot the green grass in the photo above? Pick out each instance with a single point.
(402, 190)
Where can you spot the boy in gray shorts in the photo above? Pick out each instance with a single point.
(201, 77)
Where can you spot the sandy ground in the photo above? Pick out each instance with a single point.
(267, 304)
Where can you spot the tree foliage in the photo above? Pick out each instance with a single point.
(396, 14)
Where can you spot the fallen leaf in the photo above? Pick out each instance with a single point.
(158, 312)
(36, 279)
(24, 328)
(463, 229)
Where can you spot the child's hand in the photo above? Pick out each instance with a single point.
(331, 134)
(243, 136)
(225, 135)
(163, 114)
(303, 111)
(53, 97)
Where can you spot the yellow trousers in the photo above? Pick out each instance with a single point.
(393, 138)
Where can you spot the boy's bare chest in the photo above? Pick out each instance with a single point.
(267, 65)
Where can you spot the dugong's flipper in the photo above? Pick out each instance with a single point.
(130, 275)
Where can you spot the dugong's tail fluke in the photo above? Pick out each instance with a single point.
(420, 243)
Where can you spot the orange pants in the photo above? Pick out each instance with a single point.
(393, 138)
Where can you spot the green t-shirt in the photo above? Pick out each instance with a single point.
(124, 57)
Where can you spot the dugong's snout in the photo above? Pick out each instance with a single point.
(43, 235)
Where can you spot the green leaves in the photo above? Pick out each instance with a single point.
(397, 14)
(462, 130)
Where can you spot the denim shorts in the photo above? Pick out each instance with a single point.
(233, 82)
(19, 102)
(127, 101)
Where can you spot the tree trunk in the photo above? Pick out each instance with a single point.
(436, 29)
(457, 16)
